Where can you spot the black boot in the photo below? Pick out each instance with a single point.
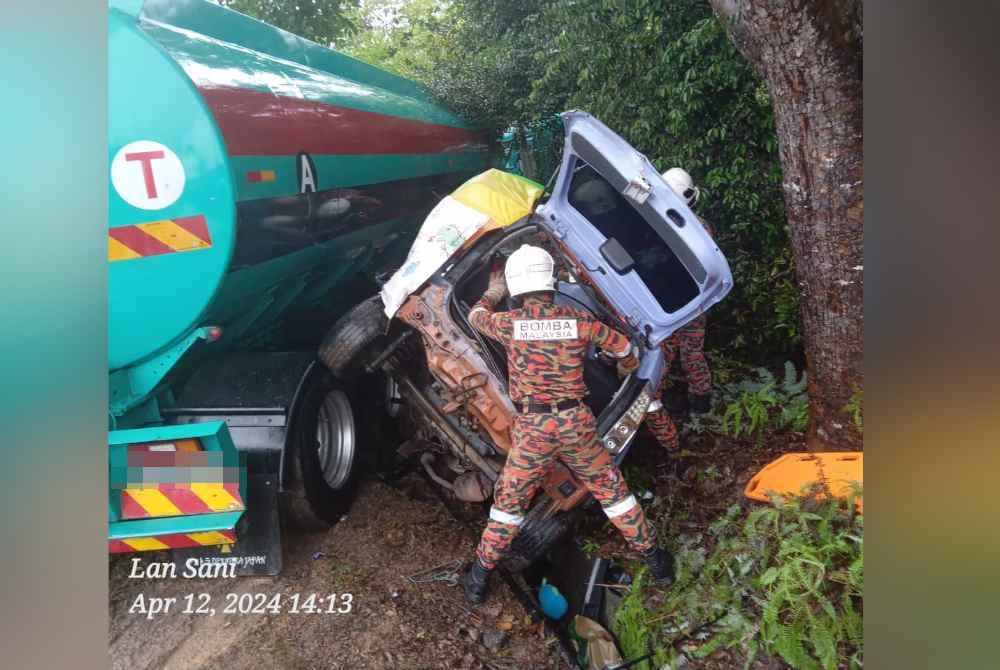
(675, 401)
(701, 404)
(661, 566)
(476, 582)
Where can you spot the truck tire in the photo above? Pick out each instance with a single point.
(347, 341)
(537, 535)
(324, 463)
(351, 343)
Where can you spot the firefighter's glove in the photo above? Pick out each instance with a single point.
(497, 287)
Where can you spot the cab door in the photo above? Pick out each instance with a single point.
(638, 241)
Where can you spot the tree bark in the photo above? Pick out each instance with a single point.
(809, 52)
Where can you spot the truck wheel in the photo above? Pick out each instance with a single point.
(537, 535)
(323, 466)
(350, 344)
(352, 336)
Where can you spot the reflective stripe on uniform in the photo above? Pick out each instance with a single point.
(503, 517)
(620, 508)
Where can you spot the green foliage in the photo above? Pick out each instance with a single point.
(855, 408)
(765, 312)
(476, 56)
(795, 407)
(406, 38)
(808, 590)
(634, 636)
(663, 75)
(795, 414)
(638, 479)
(322, 21)
(750, 412)
(786, 580)
(724, 368)
(590, 547)
(758, 403)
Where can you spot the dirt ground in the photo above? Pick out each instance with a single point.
(394, 624)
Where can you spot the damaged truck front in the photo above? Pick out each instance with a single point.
(627, 249)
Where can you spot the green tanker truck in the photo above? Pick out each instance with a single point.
(257, 182)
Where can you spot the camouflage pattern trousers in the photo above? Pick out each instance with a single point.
(570, 436)
(663, 427)
(689, 344)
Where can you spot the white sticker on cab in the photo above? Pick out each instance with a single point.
(545, 329)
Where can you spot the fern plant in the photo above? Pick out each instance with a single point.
(793, 384)
(794, 403)
(782, 580)
(630, 624)
(758, 403)
(795, 415)
(801, 621)
(750, 413)
(855, 408)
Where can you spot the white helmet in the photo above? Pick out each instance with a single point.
(681, 183)
(529, 269)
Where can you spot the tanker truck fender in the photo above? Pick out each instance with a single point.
(255, 393)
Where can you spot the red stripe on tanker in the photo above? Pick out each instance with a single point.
(252, 125)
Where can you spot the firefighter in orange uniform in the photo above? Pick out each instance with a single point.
(546, 346)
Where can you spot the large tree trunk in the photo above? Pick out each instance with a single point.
(809, 53)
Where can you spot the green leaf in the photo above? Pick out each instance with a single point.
(769, 576)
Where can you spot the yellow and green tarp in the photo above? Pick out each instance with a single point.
(491, 200)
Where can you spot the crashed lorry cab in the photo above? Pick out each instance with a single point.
(256, 179)
(627, 249)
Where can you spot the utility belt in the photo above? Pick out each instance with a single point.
(529, 406)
